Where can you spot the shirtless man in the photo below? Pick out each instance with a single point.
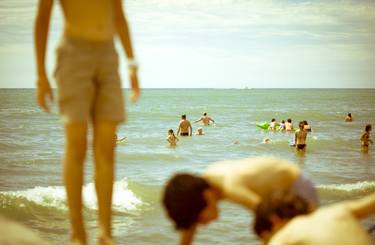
(192, 200)
(89, 94)
(284, 219)
(300, 137)
(205, 119)
(184, 128)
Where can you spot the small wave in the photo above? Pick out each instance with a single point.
(123, 200)
(347, 190)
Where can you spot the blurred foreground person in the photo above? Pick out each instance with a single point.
(191, 200)
(89, 94)
(284, 219)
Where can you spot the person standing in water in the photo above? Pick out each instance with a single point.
(89, 95)
(171, 138)
(365, 138)
(272, 126)
(300, 137)
(184, 127)
(349, 117)
(289, 125)
(205, 119)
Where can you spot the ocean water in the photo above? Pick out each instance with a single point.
(31, 148)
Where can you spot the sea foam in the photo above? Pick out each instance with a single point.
(123, 199)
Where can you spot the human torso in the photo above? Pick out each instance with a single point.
(206, 120)
(301, 137)
(172, 140)
(88, 19)
(184, 126)
(328, 225)
(288, 126)
(365, 139)
(260, 175)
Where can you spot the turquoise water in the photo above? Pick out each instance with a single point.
(31, 148)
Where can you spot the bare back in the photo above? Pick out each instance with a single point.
(88, 19)
(329, 225)
(184, 126)
(301, 137)
(259, 175)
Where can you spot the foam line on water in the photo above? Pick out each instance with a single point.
(359, 188)
(123, 199)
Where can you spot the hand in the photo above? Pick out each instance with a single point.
(135, 91)
(44, 91)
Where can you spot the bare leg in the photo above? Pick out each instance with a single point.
(104, 146)
(75, 152)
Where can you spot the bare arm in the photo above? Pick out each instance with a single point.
(212, 120)
(40, 41)
(186, 236)
(123, 32)
(191, 129)
(363, 207)
(200, 119)
(239, 194)
(179, 128)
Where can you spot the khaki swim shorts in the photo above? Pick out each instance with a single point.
(88, 82)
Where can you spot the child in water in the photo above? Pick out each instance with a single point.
(272, 126)
(289, 125)
(172, 139)
(199, 131)
(365, 138)
(282, 126)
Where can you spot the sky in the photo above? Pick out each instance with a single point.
(219, 43)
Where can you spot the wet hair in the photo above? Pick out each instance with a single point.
(289, 120)
(368, 127)
(305, 122)
(284, 205)
(183, 116)
(183, 199)
(273, 120)
(170, 131)
(302, 124)
(350, 114)
(205, 114)
(282, 121)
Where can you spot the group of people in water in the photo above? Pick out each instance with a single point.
(185, 128)
(365, 136)
(304, 127)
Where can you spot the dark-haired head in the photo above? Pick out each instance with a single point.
(273, 120)
(289, 120)
(170, 131)
(301, 124)
(281, 206)
(183, 116)
(184, 199)
(368, 128)
(205, 114)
